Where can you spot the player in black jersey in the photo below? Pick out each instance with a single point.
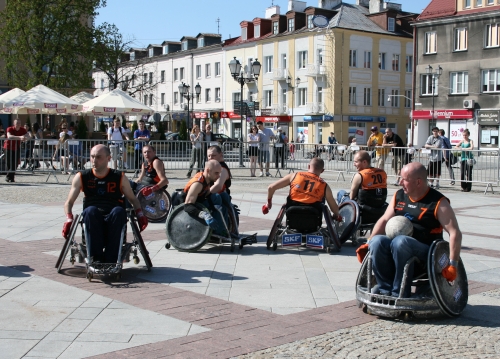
(152, 173)
(430, 212)
(103, 206)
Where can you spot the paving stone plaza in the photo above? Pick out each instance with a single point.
(253, 303)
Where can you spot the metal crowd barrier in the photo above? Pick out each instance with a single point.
(53, 158)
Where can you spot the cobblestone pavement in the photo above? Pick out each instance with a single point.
(253, 303)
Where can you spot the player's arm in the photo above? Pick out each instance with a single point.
(331, 202)
(74, 191)
(446, 216)
(273, 187)
(160, 170)
(379, 227)
(193, 192)
(355, 184)
(143, 173)
(129, 194)
(219, 184)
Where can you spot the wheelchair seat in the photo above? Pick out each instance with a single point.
(370, 215)
(304, 219)
(432, 295)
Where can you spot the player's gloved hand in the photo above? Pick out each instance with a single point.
(146, 191)
(361, 252)
(338, 218)
(450, 273)
(67, 225)
(209, 220)
(143, 221)
(265, 209)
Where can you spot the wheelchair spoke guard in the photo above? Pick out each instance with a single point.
(155, 206)
(187, 233)
(451, 297)
(349, 211)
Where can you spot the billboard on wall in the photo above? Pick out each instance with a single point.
(456, 129)
(306, 133)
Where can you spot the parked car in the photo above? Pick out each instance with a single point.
(225, 141)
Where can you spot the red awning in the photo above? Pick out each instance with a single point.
(455, 114)
(274, 118)
(229, 115)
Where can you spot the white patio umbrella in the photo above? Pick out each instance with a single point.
(9, 95)
(41, 99)
(82, 97)
(114, 103)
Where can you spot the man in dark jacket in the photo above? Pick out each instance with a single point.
(398, 152)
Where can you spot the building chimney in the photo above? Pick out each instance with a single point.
(295, 5)
(329, 4)
(376, 6)
(270, 11)
(365, 3)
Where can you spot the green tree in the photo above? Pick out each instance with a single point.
(48, 42)
(102, 127)
(134, 128)
(161, 130)
(183, 131)
(81, 129)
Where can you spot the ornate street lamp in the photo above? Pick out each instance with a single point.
(435, 75)
(184, 91)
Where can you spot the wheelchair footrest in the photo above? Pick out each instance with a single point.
(249, 240)
(104, 268)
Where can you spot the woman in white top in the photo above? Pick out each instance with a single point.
(253, 148)
(196, 137)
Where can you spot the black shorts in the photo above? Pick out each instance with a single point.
(253, 151)
(434, 168)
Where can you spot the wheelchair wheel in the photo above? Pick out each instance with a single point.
(138, 242)
(156, 206)
(67, 244)
(332, 232)
(271, 240)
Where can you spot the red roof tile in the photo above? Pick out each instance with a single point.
(438, 8)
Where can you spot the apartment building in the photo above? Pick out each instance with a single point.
(457, 78)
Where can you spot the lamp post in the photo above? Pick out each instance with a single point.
(435, 75)
(238, 76)
(289, 83)
(184, 91)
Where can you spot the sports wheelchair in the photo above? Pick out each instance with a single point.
(368, 216)
(187, 233)
(432, 295)
(303, 226)
(156, 206)
(80, 251)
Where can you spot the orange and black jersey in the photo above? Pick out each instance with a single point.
(373, 189)
(151, 176)
(227, 183)
(105, 192)
(307, 188)
(422, 213)
(199, 178)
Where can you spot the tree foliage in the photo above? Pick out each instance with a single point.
(81, 128)
(48, 42)
(183, 131)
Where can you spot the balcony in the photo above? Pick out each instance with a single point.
(280, 109)
(316, 70)
(279, 74)
(315, 107)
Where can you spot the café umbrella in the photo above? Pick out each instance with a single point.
(116, 102)
(10, 95)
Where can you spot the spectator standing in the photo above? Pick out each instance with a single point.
(2, 131)
(434, 142)
(266, 135)
(410, 152)
(466, 161)
(196, 137)
(27, 146)
(300, 139)
(141, 136)
(37, 147)
(15, 135)
(291, 148)
(375, 141)
(208, 137)
(448, 156)
(331, 141)
(117, 134)
(279, 148)
(253, 139)
(393, 140)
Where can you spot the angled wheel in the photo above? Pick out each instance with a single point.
(271, 240)
(332, 232)
(67, 244)
(138, 242)
(156, 206)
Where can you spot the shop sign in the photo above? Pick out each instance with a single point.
(366, 119)
(487, 117)
(318, 118)
(454, 114)
(200, 115)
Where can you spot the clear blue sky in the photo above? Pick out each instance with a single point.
(154, 21)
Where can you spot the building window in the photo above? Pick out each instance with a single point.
(426, 85)
(132, 56)
(182, 73)
(176, 74)
(310, 24)
(391, 24)
(320, 57)
(284, 96)
(201, 42)
(217, 94)
(217, 69)
(268, 64)
(395, 62)
(236, 96)
(409, 63)
(408, 98)
(302, 59)
(243, 33)
(491, 80)
(151, 100)
(268, 98)
(368, 60)
(352, 95)
(291, 25)
(352, 58)
(133, 79)
(430, 42)
(283, 61)
(256, 31)
(208, 95)
(162, 76)
(381, 97)
(491, 2)
(198, 71)
(144, 78)
(492, 34)
(165, 49)
(381, 60)
(367, 96)
(319, 95)
(479, 3)
(460, 39)
(466, 4)
(162, 99)
(150, 78)
(184, 45)
(102, 84)
(302, 97)
(145, 99)
(207, 70)
(275, 27)
(395, 98)
(151, 52)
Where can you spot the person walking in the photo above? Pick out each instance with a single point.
(12, 145)
(253, 148)
(466, 161)
(434, 142)
(391, 139)
(375, 143)
(449, 158)
(196, 137)
(141, 137)
(279, 149)
(266, 135)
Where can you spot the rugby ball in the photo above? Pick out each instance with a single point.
(398, 225)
